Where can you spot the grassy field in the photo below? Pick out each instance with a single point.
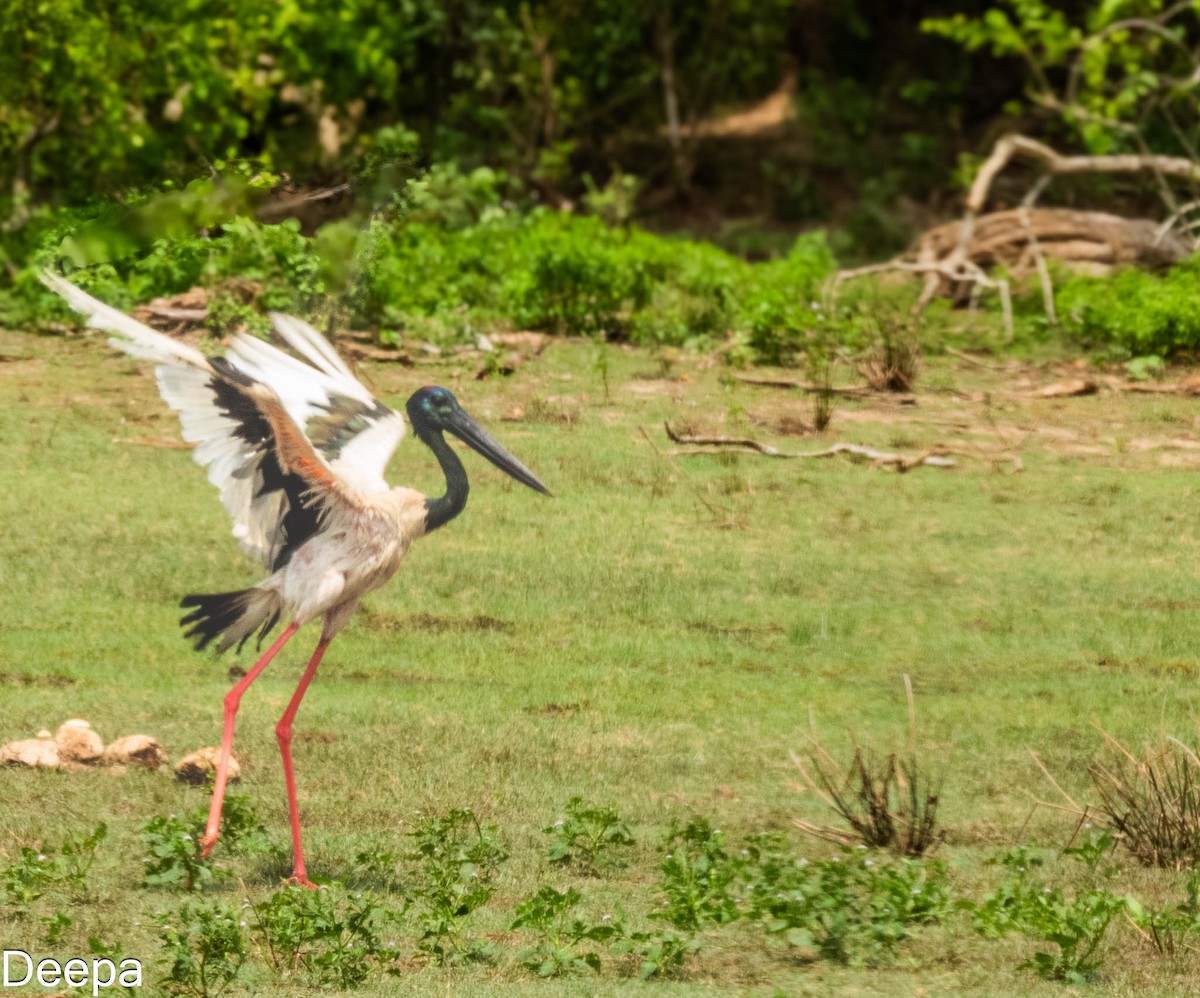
(657, 637)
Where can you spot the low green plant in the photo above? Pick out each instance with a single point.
(63, 871)
(377, 868)
(173, 843)
(56, 926)
(558, 949)
(457, 858)
(116, 954)
(1172, 927)
(204, 948)
(174, 854)
(1145, 315)
(697, 876)
(659, 953)
(588, 835)
(1075, 924)
(336, 940)
(851, 908)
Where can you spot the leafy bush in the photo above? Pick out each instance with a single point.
(459, 263)
(204, 948)
(335, 939)
(1138, 313)
(850, 908)
(458, 857)
(1075, 924)
(173, 843)
(587, 835)
(697, 874)
(551, 914)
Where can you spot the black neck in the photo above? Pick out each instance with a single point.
(441, 511)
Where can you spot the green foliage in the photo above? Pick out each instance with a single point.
(174, 853)
(588, 835)
(173, 843)
(458, 858)
(659, 954)
(117, 96)
(461, 263)
(696, 875)
(1135, 312)
(1111, 71)
(551, 914)
(851, 908)
(1076, 924)
(204, 948)
(1171, 927)
(334, 939)
(377, 868)
(63, 871)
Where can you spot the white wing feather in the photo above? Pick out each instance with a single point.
(359, 433)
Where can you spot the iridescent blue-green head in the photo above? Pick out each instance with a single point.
(433, 411)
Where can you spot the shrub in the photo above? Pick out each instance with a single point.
(1153, 801)
(335, 939)
(204, 948)
(1135, 312)
(457, 859)
(1075, 924)
(850, 908)
(561, 933)
(588, 835)
(889, 805)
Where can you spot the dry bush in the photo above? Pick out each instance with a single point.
(1153, 801)
(892, 361)
(892, 805)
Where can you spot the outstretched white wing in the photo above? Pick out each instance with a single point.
(282, 439)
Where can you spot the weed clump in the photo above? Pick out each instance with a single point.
(1075, 924)
(457, 859)
(1153, 801)
(588, 835)
(892, 804)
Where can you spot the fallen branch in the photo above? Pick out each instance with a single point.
(850, 392)
(953, 256)
(955, 269)
(1067, 389)
(1011, 147)
(936, 457)
(973, 361)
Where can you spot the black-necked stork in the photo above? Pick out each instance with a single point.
(298, 452)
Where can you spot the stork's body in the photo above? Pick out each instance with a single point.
(298, 451)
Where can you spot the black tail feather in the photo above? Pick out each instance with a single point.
(233, 617)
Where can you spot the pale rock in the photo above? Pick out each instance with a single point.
(202, 763)
(41, 753)
(77, 742)
(135, 750)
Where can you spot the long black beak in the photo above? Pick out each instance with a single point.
(479, 440)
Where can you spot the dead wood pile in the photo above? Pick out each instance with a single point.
(1092, 241)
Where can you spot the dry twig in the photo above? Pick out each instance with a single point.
(935, 457)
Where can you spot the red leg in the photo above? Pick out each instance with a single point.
(232, 699)
(283, 732)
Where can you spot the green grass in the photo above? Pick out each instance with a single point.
(657, 636)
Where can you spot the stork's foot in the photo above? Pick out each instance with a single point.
(301, 880)
(206, 844)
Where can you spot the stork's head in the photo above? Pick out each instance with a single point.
(434, 410)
